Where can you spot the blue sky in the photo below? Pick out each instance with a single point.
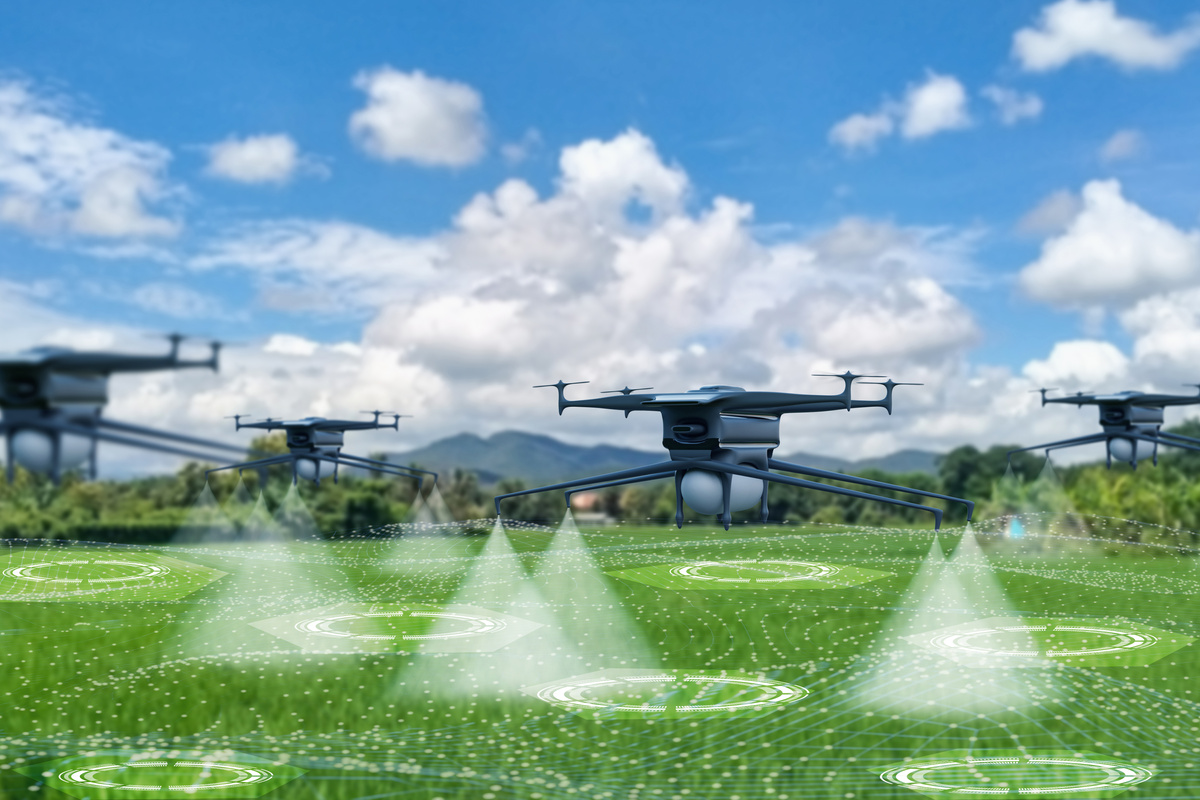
(931, 209)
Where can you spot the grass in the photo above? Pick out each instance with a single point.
(135, 677)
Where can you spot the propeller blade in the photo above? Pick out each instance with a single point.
(627, 390)
(558, 385)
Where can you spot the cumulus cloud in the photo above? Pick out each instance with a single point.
(936, 105)
(268, 158)
(307, 264)
(59, 175)
(1072, 29)
(1011, 105)
(939, 104)
(612, 275)
(1112, 252)
(862, 131)
(1121, 145)
(516, 152)
(411, 116)
(1083, 362)
(1052, 215)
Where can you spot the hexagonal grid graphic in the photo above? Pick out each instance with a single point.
(1030, 641)
(117, 775)
(1017, 774)
(694, 694)
(749, 574)
(398, 628)
(88, 574)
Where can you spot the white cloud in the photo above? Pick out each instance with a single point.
(862, 131)
(606, 175)
(286, 344)
(939, 104)
(414, 117)
(1011, 105)
(1052, 215)
(580, 283)
(1071, 29)
(59, 175)
(1121, 145)
(268, 158)
(1112, 252)
(1088, 363)
(176, 300)
(516, 152)
(324, 265)
(936, 105)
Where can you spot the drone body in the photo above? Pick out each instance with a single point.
(316, 441)
(52, 398)
(721, 441)
(1131, 423)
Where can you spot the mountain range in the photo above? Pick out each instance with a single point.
(538, 459)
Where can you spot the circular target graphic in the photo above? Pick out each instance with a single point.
(1057, 641)
(749, 570)
(125, 571)
(1018, 775)
(365, 626)
(686, 693)
(172, 776)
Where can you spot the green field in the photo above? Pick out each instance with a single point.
(626, 662)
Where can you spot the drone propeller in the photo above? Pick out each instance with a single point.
(561, 383)
(627, 390)
(1043, 393)
(846, 376)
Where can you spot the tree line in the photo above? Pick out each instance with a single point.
(151, 508)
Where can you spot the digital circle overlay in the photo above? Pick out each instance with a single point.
(341, 626)
(33, 572)
(1112, 640)
(1018, 776)
(767, 571)
(688, 693)
(188, 777)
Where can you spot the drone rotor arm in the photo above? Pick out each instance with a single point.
(1078, 440)
(388, 464)
(838, 476)
(257, 464)
(758, 474)
(1157, 441)
(105, 436)
(609, 484)
(177, 437)
(650, 469)
(1177, 436)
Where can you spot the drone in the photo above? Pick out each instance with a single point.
(721, 440)
(51, 400)
(314, 441)
(1127, 419)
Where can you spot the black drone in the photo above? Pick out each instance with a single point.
(51, 400)
(313, 441)
(1127, 419)
(721, 440)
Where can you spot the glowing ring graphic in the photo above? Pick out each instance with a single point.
(1126, 640)
(147, 571)
(575, 695)
(93, 776)
(476, 625)
(694, 571)
(923, 778)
